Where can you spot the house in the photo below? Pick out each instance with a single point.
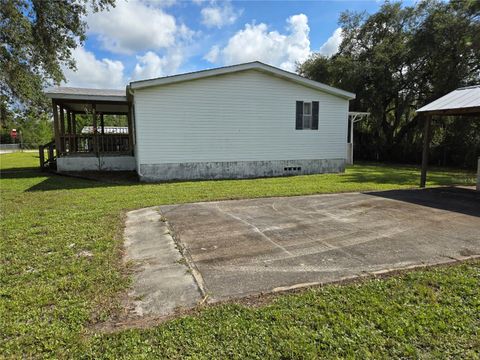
(241, 121)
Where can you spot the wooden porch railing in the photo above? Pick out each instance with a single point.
(95, 143)
(50, 161)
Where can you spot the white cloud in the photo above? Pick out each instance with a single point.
(166, 3)
(151, 65)
(213, 54)
(255, 42)
(185, 32)
(135, 26)
(330, 47)
(219, 16)
(94, 73)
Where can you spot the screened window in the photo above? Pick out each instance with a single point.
(307, 115)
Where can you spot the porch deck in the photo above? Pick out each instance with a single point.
(74, 138)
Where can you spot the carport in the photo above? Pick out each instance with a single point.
(460, 102)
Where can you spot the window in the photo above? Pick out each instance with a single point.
(307, 115)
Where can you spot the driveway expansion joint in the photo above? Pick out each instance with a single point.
(161, 282)
(188, 260)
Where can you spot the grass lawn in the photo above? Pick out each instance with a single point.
(50, 296)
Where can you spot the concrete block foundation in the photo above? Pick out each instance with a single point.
(94, 163)
(237, 169)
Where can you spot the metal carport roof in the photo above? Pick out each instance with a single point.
(461, 101)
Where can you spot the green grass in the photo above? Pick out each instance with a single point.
(49, 296)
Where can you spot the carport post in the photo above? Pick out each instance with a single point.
(478, 174)
(426, 143)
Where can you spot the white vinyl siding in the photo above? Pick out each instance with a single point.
(244, 116)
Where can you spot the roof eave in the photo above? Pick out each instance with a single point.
(309, 83)
(57, 96)
(135, 85)
(452, 111)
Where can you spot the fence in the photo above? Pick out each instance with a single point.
(10, 147)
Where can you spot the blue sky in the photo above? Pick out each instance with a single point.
(142, 39)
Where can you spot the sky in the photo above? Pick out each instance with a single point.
(140, 39)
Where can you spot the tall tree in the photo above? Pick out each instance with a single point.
(36, 42)
(37, 38)
(397, 60)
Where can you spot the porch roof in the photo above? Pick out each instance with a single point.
(74, 93)
(81, 99)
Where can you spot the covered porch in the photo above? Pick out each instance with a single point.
(93, 129)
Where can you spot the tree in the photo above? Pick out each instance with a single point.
(396, 60)
(37, 38)
(36, 41)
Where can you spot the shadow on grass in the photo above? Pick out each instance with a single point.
(18, 173)
(53, 181)
(380, 178)
(84, 180)
(365, 175)
(17, 169)
(408, 176)
(108, 179)
(460, 200)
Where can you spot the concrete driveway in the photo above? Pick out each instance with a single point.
(248, 247)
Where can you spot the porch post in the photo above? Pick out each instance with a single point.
(74, 123)
(102, 137)
(95, 139)
(69, 130)
(74, 131)
(130, 129)
(352, 121)
(69, 122)
(56, 127)
(102, 123)
(62, 129)
(426, 143)
(41, 153)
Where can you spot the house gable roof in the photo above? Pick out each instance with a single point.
(256, 65)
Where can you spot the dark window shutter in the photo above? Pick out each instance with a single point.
(299, 116)
(315, 115)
